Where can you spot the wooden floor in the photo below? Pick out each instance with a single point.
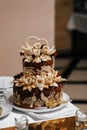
(75, 70)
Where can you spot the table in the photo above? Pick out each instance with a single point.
(56, 124)
(64, 116)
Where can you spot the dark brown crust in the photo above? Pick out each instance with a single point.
(38, 65)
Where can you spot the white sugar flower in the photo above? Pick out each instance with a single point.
(48, 80)
(29, 88)
(45, 57)
(40, 80)
(37, 52)
(43, 73)
(59, 79)
(51, 51)
(24, 80)
(55, 73)
(37, 60)
(37, 45)
(46, 68)
(28, 58)
(54, 84)
(45, 49)
(40, 86)
(28, 50)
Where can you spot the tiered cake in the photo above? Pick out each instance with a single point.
(39, 85)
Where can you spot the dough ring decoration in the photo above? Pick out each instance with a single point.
(33, 39)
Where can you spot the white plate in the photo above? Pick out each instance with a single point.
(6, 108)
(9, 95)
(45, 109)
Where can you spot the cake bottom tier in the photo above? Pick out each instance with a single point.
(48, 97)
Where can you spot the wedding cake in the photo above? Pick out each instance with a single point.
(39, 85)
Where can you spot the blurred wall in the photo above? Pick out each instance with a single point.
(20, 19)
(63, 11)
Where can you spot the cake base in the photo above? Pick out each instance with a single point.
(48, 97)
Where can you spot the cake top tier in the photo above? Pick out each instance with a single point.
(37, 50)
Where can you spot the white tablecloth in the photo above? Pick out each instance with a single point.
(67, 111)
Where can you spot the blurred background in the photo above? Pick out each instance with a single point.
(71, 44)
(63, 23)
(20, 19)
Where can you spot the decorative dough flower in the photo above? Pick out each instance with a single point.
(51, 51)
(28, 58)
(59, 79)
(38, 49)
(37, 52)
(37, 60)
(45, 57)
(37, 45)
(27, 50)
(49, 80)
(45, 49)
